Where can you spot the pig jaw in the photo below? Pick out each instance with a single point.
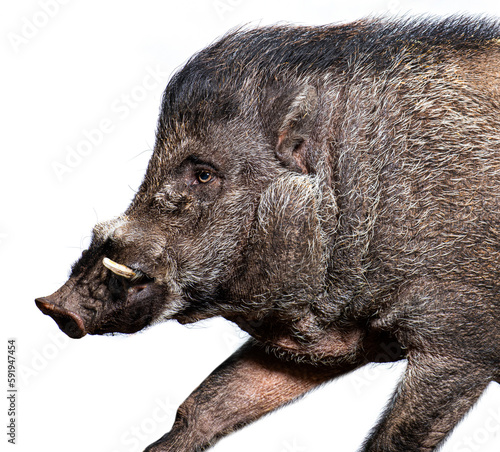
(100, 302)
(113, 318)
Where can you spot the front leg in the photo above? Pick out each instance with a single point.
(435, 393)
(248, 385)
(453, 354)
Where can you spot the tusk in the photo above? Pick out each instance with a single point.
(119, 269)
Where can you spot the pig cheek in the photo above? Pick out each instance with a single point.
(140, 309)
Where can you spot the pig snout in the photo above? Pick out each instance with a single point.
(69, 322)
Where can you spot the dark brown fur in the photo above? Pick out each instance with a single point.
(351, 215)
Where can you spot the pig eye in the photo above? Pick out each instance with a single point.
(204, 176)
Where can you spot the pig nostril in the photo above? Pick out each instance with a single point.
(69, 322)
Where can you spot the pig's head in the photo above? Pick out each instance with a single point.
(234, 217)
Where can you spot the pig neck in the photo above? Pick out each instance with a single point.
(305, 339)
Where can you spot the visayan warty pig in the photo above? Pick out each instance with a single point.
(335, 192)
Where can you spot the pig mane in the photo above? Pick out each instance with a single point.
(215, 82)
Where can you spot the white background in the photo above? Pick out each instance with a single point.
(69, 68)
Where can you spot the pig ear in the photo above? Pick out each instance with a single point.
(293, 144)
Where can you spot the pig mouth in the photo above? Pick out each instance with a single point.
(130, 290)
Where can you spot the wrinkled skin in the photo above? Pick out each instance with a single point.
(340, 210)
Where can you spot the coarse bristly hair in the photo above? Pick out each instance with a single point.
(349, 212)
(383, 83)
(266, 55)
